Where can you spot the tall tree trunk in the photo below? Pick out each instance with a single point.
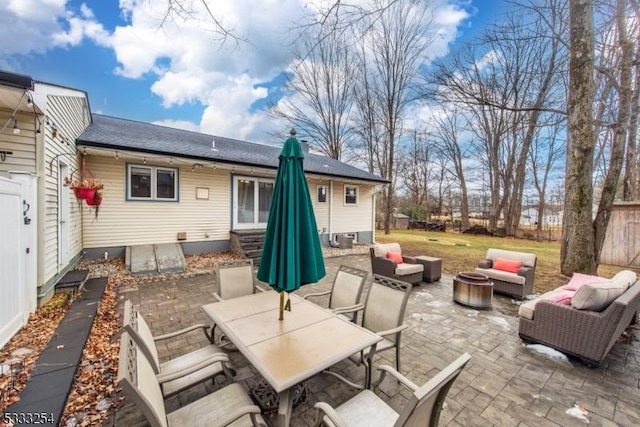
(577, 249)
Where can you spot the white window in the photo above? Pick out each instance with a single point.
(351, 195)
(322, 194)
(152, 183)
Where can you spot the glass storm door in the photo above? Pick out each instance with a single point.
(251, 202)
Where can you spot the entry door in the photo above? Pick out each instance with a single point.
(63, 217)
(251, 202)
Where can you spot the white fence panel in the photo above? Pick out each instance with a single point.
(12, 286)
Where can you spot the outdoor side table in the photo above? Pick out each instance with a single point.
(432, 268)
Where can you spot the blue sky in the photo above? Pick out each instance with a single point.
(178, 75)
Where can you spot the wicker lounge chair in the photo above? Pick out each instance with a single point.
(366, 409)
(346, 290)
(408, 271)
(223, 407)
(184, 371)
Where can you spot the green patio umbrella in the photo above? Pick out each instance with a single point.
(291, 255)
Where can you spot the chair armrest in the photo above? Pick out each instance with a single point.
(392, 331)
(316, 294)
(409, 259)
(218, 297)
(330, 413)
(383, 266)
(183, 331)
(350, 309)
(398, 376)
(485, 263)
(252, 410)
(173, 375)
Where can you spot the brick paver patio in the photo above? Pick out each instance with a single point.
(504, 384)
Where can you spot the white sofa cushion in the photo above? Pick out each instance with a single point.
(527, 259)
(505, 276)
(382, 249)
(406, 268)
(527, 309)
(597, 296)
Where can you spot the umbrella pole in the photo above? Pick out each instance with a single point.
(281, 317)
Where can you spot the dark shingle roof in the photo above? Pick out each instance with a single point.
(116, 133)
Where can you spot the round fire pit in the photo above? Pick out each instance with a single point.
(473, 290)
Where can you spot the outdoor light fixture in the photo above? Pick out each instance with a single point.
(117, 157)
(16, 129)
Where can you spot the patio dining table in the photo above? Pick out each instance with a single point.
(286, 352)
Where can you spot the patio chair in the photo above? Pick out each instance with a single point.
(383, 314)
(235, 279)
(346, 290)
(137, 378)
(184, 371)
(423, 408)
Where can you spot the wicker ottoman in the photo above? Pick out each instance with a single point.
(432, 268)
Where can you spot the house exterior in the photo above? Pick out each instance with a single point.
(42, 225)
(164, 185)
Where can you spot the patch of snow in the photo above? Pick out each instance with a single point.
(579, 413)
(103, 405)
(500, 322)
(21, 352)
(550, 352)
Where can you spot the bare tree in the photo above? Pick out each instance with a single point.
(456, 152)
(416, 170)
(393, 48)
(505, 83)
(322, 85)
(546, 153)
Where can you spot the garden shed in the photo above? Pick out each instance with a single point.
(622, 241)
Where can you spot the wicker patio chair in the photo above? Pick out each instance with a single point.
(184, 371)
(346, 290)
(366, 409)
(223, 407)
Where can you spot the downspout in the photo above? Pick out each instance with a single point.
(373, 216)
(331, 213)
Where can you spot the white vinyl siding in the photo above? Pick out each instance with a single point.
(70, 115)
(321, 210)
(22, 146)
(123, 223)
(351, 218)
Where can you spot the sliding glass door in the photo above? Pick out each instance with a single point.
(251, 202)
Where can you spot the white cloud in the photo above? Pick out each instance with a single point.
(183, 57)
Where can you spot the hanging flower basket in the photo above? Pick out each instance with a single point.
(85, 193)
(87, 188)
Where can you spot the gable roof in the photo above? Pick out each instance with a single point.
(115, 133)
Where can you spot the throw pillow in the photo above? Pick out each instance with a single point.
(503, 264)
(578, 280)
(597, 296)
(395, 257)
(563, 297)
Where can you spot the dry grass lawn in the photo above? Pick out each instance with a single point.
(461, 252)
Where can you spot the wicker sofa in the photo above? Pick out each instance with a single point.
(518, 284)
(586, 334)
